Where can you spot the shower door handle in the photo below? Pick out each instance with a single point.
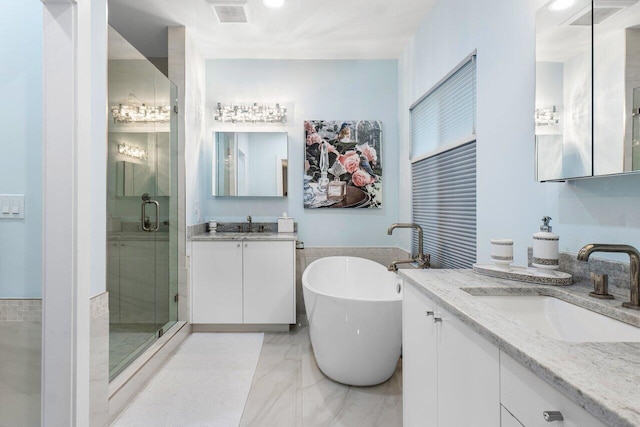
(146, 200)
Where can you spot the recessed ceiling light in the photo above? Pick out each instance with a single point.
(561, 4)
(273, 4)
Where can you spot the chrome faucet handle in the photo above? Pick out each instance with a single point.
(634, 267)
(600, 286)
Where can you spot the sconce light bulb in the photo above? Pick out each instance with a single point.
(561, 4)
(273, 4)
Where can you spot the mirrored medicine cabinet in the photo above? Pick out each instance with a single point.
(587, 100)
(250, 164)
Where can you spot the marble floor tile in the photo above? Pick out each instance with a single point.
(290, 390)
(20, 361)
(126, 340)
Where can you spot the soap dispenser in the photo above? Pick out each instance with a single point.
(545, 247)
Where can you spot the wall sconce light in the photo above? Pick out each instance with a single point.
(253, 113)
(133, 152)
(138, 112)
(548, 116)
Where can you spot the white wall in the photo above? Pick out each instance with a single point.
(262, 172)
(312, 90)
(510, 203)
(609, 102)
(21, 146)
(195, 135)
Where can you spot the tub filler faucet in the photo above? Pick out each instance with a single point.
(421, 259)
(634, 267)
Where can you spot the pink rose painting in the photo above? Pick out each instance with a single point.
(343, 164)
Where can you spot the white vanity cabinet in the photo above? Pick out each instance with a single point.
(450, 373)
(243, 282)
(454, 377)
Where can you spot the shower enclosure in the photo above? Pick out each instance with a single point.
(142, 209)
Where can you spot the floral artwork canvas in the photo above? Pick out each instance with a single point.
(343, 164)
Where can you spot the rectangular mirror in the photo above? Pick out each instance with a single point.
(587, 111)
(563, 100)
(616, 83)
(250, 164)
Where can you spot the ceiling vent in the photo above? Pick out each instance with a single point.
(231, 11)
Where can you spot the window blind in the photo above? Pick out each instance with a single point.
(446, 115)
(444, 205)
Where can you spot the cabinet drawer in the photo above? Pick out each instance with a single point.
(526, 396)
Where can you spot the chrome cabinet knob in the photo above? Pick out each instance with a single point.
(238, 245)
(428, 313)
(437, 320)
(551, 416)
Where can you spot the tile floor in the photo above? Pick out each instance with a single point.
(20, 360)
(288, 389)
(127, 340)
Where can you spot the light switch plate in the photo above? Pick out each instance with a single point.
(11, 206)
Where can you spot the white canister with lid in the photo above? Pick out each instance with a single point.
(545, 247)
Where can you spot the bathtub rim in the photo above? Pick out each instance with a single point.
(398, 296)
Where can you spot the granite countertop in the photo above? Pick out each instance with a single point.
(601, 377)
(244, 236)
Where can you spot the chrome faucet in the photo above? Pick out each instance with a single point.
(422, 259)
(634, 267)
(249, 221)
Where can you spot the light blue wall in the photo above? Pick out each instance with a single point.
(264, 149)
(510, 203)
(312, 90)
(21, 146)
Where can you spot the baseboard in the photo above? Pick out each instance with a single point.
(206, 327)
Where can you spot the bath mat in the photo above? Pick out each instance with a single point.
(206, 383)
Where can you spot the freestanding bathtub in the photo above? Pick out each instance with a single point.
(354, 308)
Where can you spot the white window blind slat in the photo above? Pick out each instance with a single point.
(444, 204)
(443, 156)
(447, 113)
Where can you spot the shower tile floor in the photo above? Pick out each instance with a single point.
(127, 339)
(288, 389)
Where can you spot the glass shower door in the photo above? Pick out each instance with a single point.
(141, 204)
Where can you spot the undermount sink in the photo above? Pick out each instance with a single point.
(561, 320)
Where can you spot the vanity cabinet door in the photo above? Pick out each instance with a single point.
(468, 375)
(269, 282)
(419, 362)
(527, 397)
(508, 420)
(217, 282)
